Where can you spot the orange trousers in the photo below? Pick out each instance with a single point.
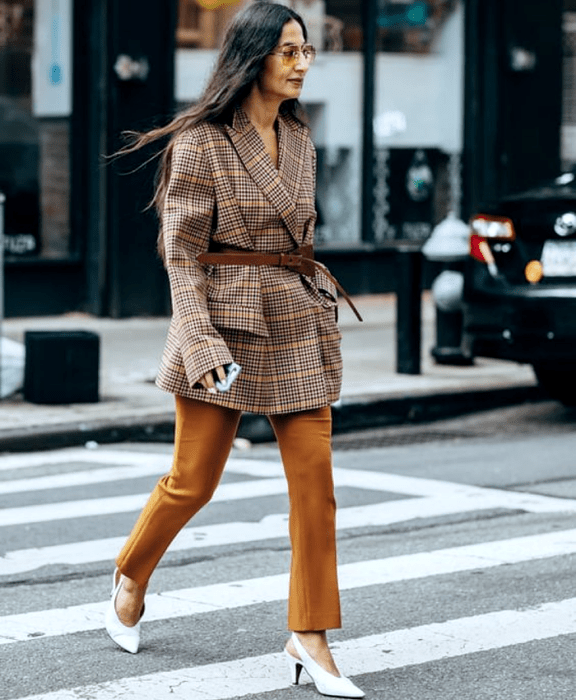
(203, 439)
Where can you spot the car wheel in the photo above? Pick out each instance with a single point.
(558, 383)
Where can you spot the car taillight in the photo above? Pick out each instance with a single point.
(489, 228)
(494, 228)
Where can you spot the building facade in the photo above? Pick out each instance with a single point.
(459, 88)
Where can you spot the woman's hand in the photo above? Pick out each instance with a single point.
(208, 381)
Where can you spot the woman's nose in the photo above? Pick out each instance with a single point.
(302, 64)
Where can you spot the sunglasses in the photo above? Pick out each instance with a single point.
(290, 55)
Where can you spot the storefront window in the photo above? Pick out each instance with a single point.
(418, 96)
(202, 23)
(411, 26)
(332, 96)
(34, 126)
(418, 117)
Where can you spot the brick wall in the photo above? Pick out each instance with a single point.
(54, 187)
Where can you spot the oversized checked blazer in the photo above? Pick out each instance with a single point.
(279, 325)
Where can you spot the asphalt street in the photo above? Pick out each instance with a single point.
(457, 550)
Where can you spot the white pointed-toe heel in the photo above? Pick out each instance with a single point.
(295, 666)
(326, 683)
(126, 637)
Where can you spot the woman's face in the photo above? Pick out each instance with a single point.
(282, 79)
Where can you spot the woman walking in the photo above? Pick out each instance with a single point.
(235, 195)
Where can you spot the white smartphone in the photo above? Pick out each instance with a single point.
(232, 371)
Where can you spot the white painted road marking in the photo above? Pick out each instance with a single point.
(420, 498)
(82, 456)
(120, 472)
(133, 458)
(235, 594)
(90, 507)
(83, 478)
(266, 485)
(270, 527)
(373, 654)
(434, 499)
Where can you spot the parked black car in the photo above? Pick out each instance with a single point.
(520, 284)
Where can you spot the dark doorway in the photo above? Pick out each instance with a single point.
(513, 102)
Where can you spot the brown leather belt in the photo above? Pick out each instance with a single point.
(299, 260)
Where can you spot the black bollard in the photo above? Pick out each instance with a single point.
(61, 367)
(408, 310)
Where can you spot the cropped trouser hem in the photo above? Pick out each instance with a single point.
(203, 439)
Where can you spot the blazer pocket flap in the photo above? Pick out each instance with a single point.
(241, 318)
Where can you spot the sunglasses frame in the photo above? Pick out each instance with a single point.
(291, 55)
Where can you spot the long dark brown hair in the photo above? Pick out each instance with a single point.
(252, 35)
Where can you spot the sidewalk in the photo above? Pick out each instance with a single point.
(131, 407)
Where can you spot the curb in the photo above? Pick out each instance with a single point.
(355, 414)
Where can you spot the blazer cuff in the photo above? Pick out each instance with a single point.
(202, 358)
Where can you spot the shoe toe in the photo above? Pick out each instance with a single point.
(352, 690)
(129, 643)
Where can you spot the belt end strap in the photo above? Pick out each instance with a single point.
(340, 288)
(308, 266)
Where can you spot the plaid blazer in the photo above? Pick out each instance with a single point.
(279, 325)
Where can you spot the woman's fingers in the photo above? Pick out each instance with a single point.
(208, 381)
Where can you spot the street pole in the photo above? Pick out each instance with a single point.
(369, 16)
(2, 200)
(408, 261)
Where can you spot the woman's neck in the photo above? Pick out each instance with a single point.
(261, 112)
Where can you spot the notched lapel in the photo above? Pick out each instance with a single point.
(293, 148)
(280, 186)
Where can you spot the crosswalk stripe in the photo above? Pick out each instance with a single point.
(363, 479)
(371, 654)
(64, 510)
(275, 525)
(102, 456)
(121, 472)
(82, 456)
(235, 594)
(145, 464)
(84, 478)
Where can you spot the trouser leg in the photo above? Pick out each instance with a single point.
(304, 441)
(204, 435)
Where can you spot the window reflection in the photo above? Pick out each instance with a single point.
(418, 106)
(34, 152)
(201, 24)
(334, 25)
(18, 130)
(411, 26)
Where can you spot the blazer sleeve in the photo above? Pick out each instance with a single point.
(187, 223)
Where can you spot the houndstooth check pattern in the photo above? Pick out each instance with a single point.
(280, 326)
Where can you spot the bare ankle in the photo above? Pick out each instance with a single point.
(129, 602)
(130, 586)
(315, 644)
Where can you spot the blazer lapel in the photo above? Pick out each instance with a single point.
(280, 186)
(293, 142)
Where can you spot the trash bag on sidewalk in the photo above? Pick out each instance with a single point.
(11, 367)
